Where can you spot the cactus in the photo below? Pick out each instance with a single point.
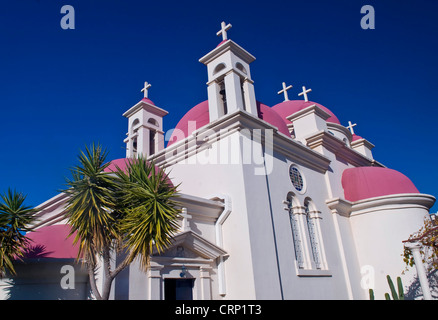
(395, 295)
(371, 292)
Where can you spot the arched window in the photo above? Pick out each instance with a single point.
(152, 136)
(314, 235)
(153, 122)
(134, 125)
(296, 234)
(219, 67)
(134, 146)
(240, 67)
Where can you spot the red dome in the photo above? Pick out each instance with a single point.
(199, 116)
(148, 101)
(369, 182)
(287, 108)
(52, 242)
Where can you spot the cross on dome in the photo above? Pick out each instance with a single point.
(223, 30)
(304, 93)
(146, 88)
(286, 97)
(350, 126)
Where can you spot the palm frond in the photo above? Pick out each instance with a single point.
(15, 221)
(91, 203)
(146, 194)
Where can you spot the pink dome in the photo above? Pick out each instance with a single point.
(122, 164)
(148, 101)
(52, 242)
(199, 116)
(269, 115)
(369, 182)
(287, 108)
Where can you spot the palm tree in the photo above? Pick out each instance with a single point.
(147, 198)
(111, 212)
(90, 212)
(15, 219)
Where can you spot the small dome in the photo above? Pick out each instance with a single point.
(369, 182)
(199, 116)
(287, 108)
(52, 242)
(147, 100)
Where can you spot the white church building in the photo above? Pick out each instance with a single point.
(277, 202)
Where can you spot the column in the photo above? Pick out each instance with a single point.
(205, 282)
(422, 277)
(214, 103)
(250, 100)
(233, 92)
(155, 282)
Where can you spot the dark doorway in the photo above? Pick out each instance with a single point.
(178, 289)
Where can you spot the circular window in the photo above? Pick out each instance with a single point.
(296, 178)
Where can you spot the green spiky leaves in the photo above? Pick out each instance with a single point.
(131, 209)
(15, 219)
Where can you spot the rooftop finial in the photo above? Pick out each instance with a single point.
(223, 30)
(350, 126)
(146, 88)
(286, 97)
(304, 93)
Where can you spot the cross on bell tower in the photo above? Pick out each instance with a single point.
(146, 89)
(223, 30)
(145, 135)
(230, 87)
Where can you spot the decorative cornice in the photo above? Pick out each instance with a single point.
(361, 142)
(226, 46)
(198, 244)
(340, 149)
(389, 202)
(309, 110)
(146, 106)
(237, 121)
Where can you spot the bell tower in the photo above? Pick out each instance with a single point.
(145, 127)
(230, 86)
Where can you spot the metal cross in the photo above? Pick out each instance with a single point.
(223, 30)
(146, 88)
(286, 98)
(350, 126)
(304, 93)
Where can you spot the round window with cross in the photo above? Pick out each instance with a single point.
(296, 178)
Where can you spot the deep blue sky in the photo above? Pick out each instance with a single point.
(63, 89)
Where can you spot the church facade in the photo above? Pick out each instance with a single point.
(280, 202)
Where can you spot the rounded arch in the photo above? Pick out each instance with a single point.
(292, 200)
(309, 205)
(221, 66)
(134, 123)
(153, 122)
(240, 67)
